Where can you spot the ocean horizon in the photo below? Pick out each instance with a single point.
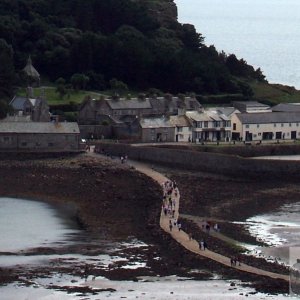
(265, 33)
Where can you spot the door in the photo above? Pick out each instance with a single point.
(293, 135)
(278, 135)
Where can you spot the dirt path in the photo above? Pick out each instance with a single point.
(183, 238)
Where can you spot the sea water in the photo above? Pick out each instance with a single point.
(28, 224)
(265, 33)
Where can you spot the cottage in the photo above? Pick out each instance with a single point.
(183, 128)
(39, 136)
(157, 129)
(266, 126)
(36, 108)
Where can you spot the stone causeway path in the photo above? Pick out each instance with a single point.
(182, 237)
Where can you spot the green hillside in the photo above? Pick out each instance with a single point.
(137, 42)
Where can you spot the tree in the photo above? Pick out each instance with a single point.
(5, 109)
(79, 81)
(7, 72)
(61, 87)
(118, 87)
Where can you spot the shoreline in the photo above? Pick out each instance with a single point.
(71, 180)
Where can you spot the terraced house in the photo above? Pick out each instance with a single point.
(210, 126)
(266, 126)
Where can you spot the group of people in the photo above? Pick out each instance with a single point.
(206, 226)
(235, 261)
(123, 158)
(170, 194)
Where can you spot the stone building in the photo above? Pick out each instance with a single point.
(39, 136)
(91, 110)
(36, 108)
(157, 129)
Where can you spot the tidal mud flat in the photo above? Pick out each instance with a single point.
(113, 203)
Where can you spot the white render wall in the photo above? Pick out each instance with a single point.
(278, 131)
(184, 134)
(283, 130)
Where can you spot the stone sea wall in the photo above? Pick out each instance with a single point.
(204, 161)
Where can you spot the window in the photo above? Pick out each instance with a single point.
(290, 124)
(282, 124)
(152, 130)
(199, 124)
(274, 124)
(259, 134)
(297, 124)
(247, 126)
(152, 137)
(216, 124)
(24, 144)
(179, 129)
(257, 125)
(205, 124)
(6, 139)
(234, 126)
(50, 144)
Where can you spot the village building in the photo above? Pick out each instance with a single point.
(91, 110)
(119, 118)
(156, 129)
(182, 127)
(29, 127)
(39, 136)
(209, 125)
(266, 126)
(251, 107)
(36, 109)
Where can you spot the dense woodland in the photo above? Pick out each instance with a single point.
(106, 39)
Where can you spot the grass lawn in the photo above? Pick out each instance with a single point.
(275, 93)
(53, 98)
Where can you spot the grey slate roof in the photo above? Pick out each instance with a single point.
(38, 127)
(227, 111)
(18, 102)
(129, 104)
(287, 107)
(198, 116)
(251, 104)
(155, 122)
(270, 117)
(180, 121)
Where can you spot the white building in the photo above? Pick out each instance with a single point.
(266, 126)
(209, 126)
(183, 128)
(251, 107)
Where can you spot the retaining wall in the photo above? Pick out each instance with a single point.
(204, 161)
